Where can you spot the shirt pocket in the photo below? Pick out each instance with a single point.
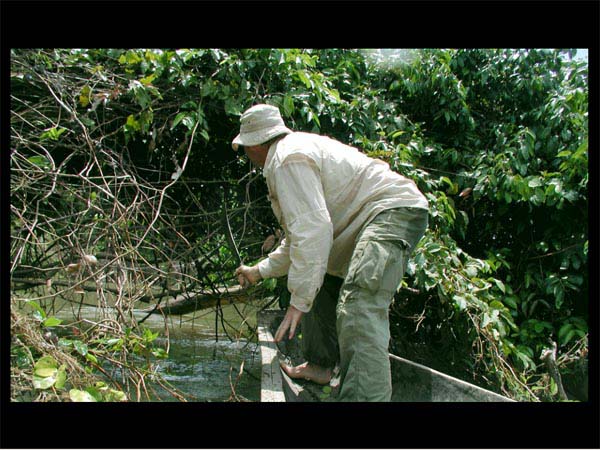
(378, 265)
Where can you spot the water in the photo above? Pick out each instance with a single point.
(201, 366)
(205, 369)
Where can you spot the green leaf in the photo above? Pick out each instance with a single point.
(52, 322)
(84, 96)
(65, 342)
(80, 396)
(511, 301)
(189, 122)
(461, 302)
(45, 372)
(44, 382)
(486, 320)
(500, 285)
(178, 119)
(40, 161)
(304, 78)
(311, 117)
(148, 80)
(52, 133)
(569, 336)
(38, 312)
(95, 393)
(563, 332)
(496, 304)
(61, 377)
(118, 396)
(553, 387)
(471, 270)
(560, 297)
(232, 107)
(270, 284)
(160, 353)
(288, 106)
(45, 362)
(114, 342)
(580, 323)
(132, 123)
(333, 95)
(81, 348)
(327, 389)
(434, 248)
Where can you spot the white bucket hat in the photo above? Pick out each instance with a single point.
(258, 125)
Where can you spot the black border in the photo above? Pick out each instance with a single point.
(376, 24)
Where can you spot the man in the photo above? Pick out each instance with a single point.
(350, 225)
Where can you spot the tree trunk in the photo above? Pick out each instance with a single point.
(189, 302)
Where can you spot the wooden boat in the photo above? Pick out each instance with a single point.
(411, 382)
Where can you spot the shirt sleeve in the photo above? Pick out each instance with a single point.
(310, 231)
(278, 262)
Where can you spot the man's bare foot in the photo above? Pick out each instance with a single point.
(307, 371)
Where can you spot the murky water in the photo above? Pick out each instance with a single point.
(201, 365)
(209, 370)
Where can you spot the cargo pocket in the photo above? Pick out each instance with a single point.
(378, 265)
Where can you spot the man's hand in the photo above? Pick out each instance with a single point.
(290, 321)
(247, 275)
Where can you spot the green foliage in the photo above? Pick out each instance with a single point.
(48, 375)
(496, 139)
(511, 127)
(100, 392)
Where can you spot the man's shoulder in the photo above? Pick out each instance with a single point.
(300, 137)
(298, 142)
(297, 145)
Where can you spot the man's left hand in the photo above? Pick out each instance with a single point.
(290, 322)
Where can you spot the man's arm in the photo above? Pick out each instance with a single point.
(310, 231)
(275, 265)
(278, 262)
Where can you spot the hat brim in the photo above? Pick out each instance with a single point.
(259, 137)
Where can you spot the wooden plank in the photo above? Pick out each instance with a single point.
(274, 378)
(271, 386)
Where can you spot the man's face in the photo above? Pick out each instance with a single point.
(257, 154)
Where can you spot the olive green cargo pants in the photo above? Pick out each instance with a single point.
(349, 321)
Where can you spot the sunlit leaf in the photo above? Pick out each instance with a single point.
(80, 396)
(40, 161)
(61, 377)
(52, 322)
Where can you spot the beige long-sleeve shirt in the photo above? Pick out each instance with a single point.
(322, 193)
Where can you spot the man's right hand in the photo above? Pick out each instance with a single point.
(248, 275)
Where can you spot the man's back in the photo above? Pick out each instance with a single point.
(355, 188)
